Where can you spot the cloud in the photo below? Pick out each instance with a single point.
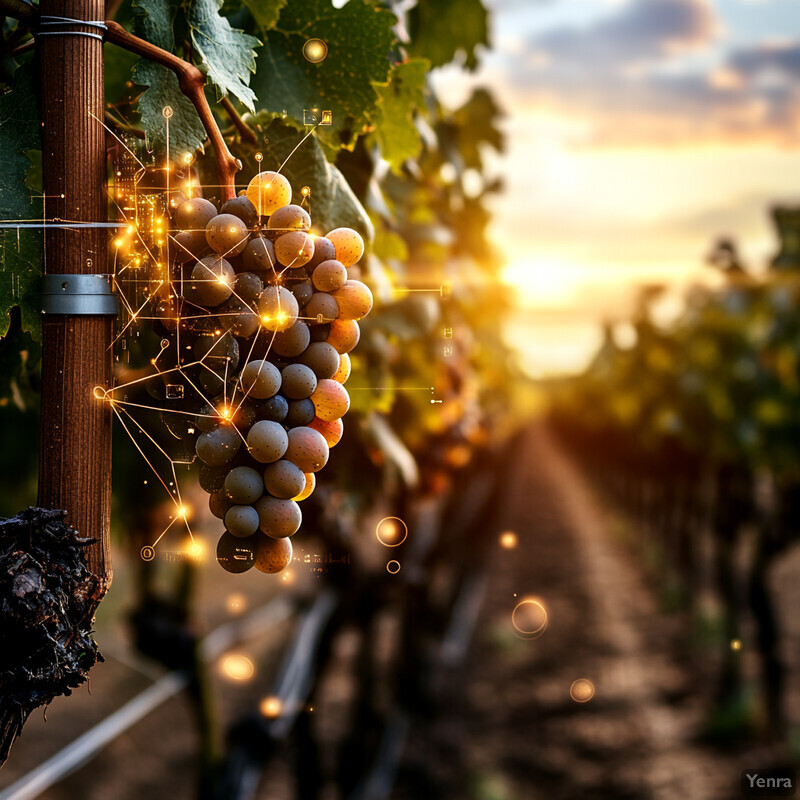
(640, 32)
(642, 76)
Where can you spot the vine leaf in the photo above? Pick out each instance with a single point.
(359, 37)
(20, 250)
(226, 52)
(332, 203)
(397, 101)
(440, 30)
(265, 12)
(153, 21)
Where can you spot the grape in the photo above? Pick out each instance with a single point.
(283, 479)
(244, 485)
(278, 518)
(259, 255)
(291, 217)
(248, 286)
(354, 299)
(330, 399)
(320, 333)
(332, 430)
(260, 379)
(237, 317)
(212, 383)
(227, 234)
(292, 342)
(212, 479)
(298, 381)
(241, 520)
(311, 482)
(188, 246)
(348, 244)
(207, 418)
(329, 276)
(212, 281)
(307, 449)
(322, 306)
(303, 292)
(241, 207)
(218, 504)
(217, 352)
(267, 441)
(294, 249)
(236, 555)
(323, 251)
(194, 214)
(278, 308)
(217, 447)
(344, 335)
(272, 555)
(268, 191)
(301, 412)
(274, 409)
(322, 358)
(343, 373)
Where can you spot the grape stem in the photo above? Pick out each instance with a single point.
(190, 80)
(245, 131)
(192, 83)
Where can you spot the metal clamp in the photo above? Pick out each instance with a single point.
(83, 295)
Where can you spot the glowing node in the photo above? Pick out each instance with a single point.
(529, 617)
(315, 50)
(237, 667)
(167, 112)
(235, 603)
(271, 707)
(391, 531)
(188, 158)
(582, 690)
(147, 553)
(508, 540)
(183, 511)
(259, 157)
(305, 191)
(100, 393)
(736, 644)
(195, 550)
(393, 567)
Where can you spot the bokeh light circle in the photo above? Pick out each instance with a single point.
(529, 617)
(237, 667)
(315, 50)
(271, 707)
(391, 531)
(509, 540)
(393, 567)
(582, 690)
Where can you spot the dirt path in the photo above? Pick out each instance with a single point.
(511, 730)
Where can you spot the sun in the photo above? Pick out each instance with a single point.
(550, 283)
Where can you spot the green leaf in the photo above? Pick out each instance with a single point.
(359, 36)
(153, 22)
(20, 250)
(477, 121)
(332, 203)
(265, 12)
(226, 52)
(398, 100)
(440, 29)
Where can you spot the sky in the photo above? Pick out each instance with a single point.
(638, 132)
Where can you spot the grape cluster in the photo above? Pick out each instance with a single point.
(259, 331)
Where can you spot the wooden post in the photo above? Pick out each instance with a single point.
(75, 452)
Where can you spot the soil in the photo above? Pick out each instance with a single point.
(505, 727)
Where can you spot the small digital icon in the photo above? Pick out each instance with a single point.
(320, 319)
(447, 350)
(327, 118)
(174, 391)
(315, 50)
(311, 116)
(148, 553)
(447, 333)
